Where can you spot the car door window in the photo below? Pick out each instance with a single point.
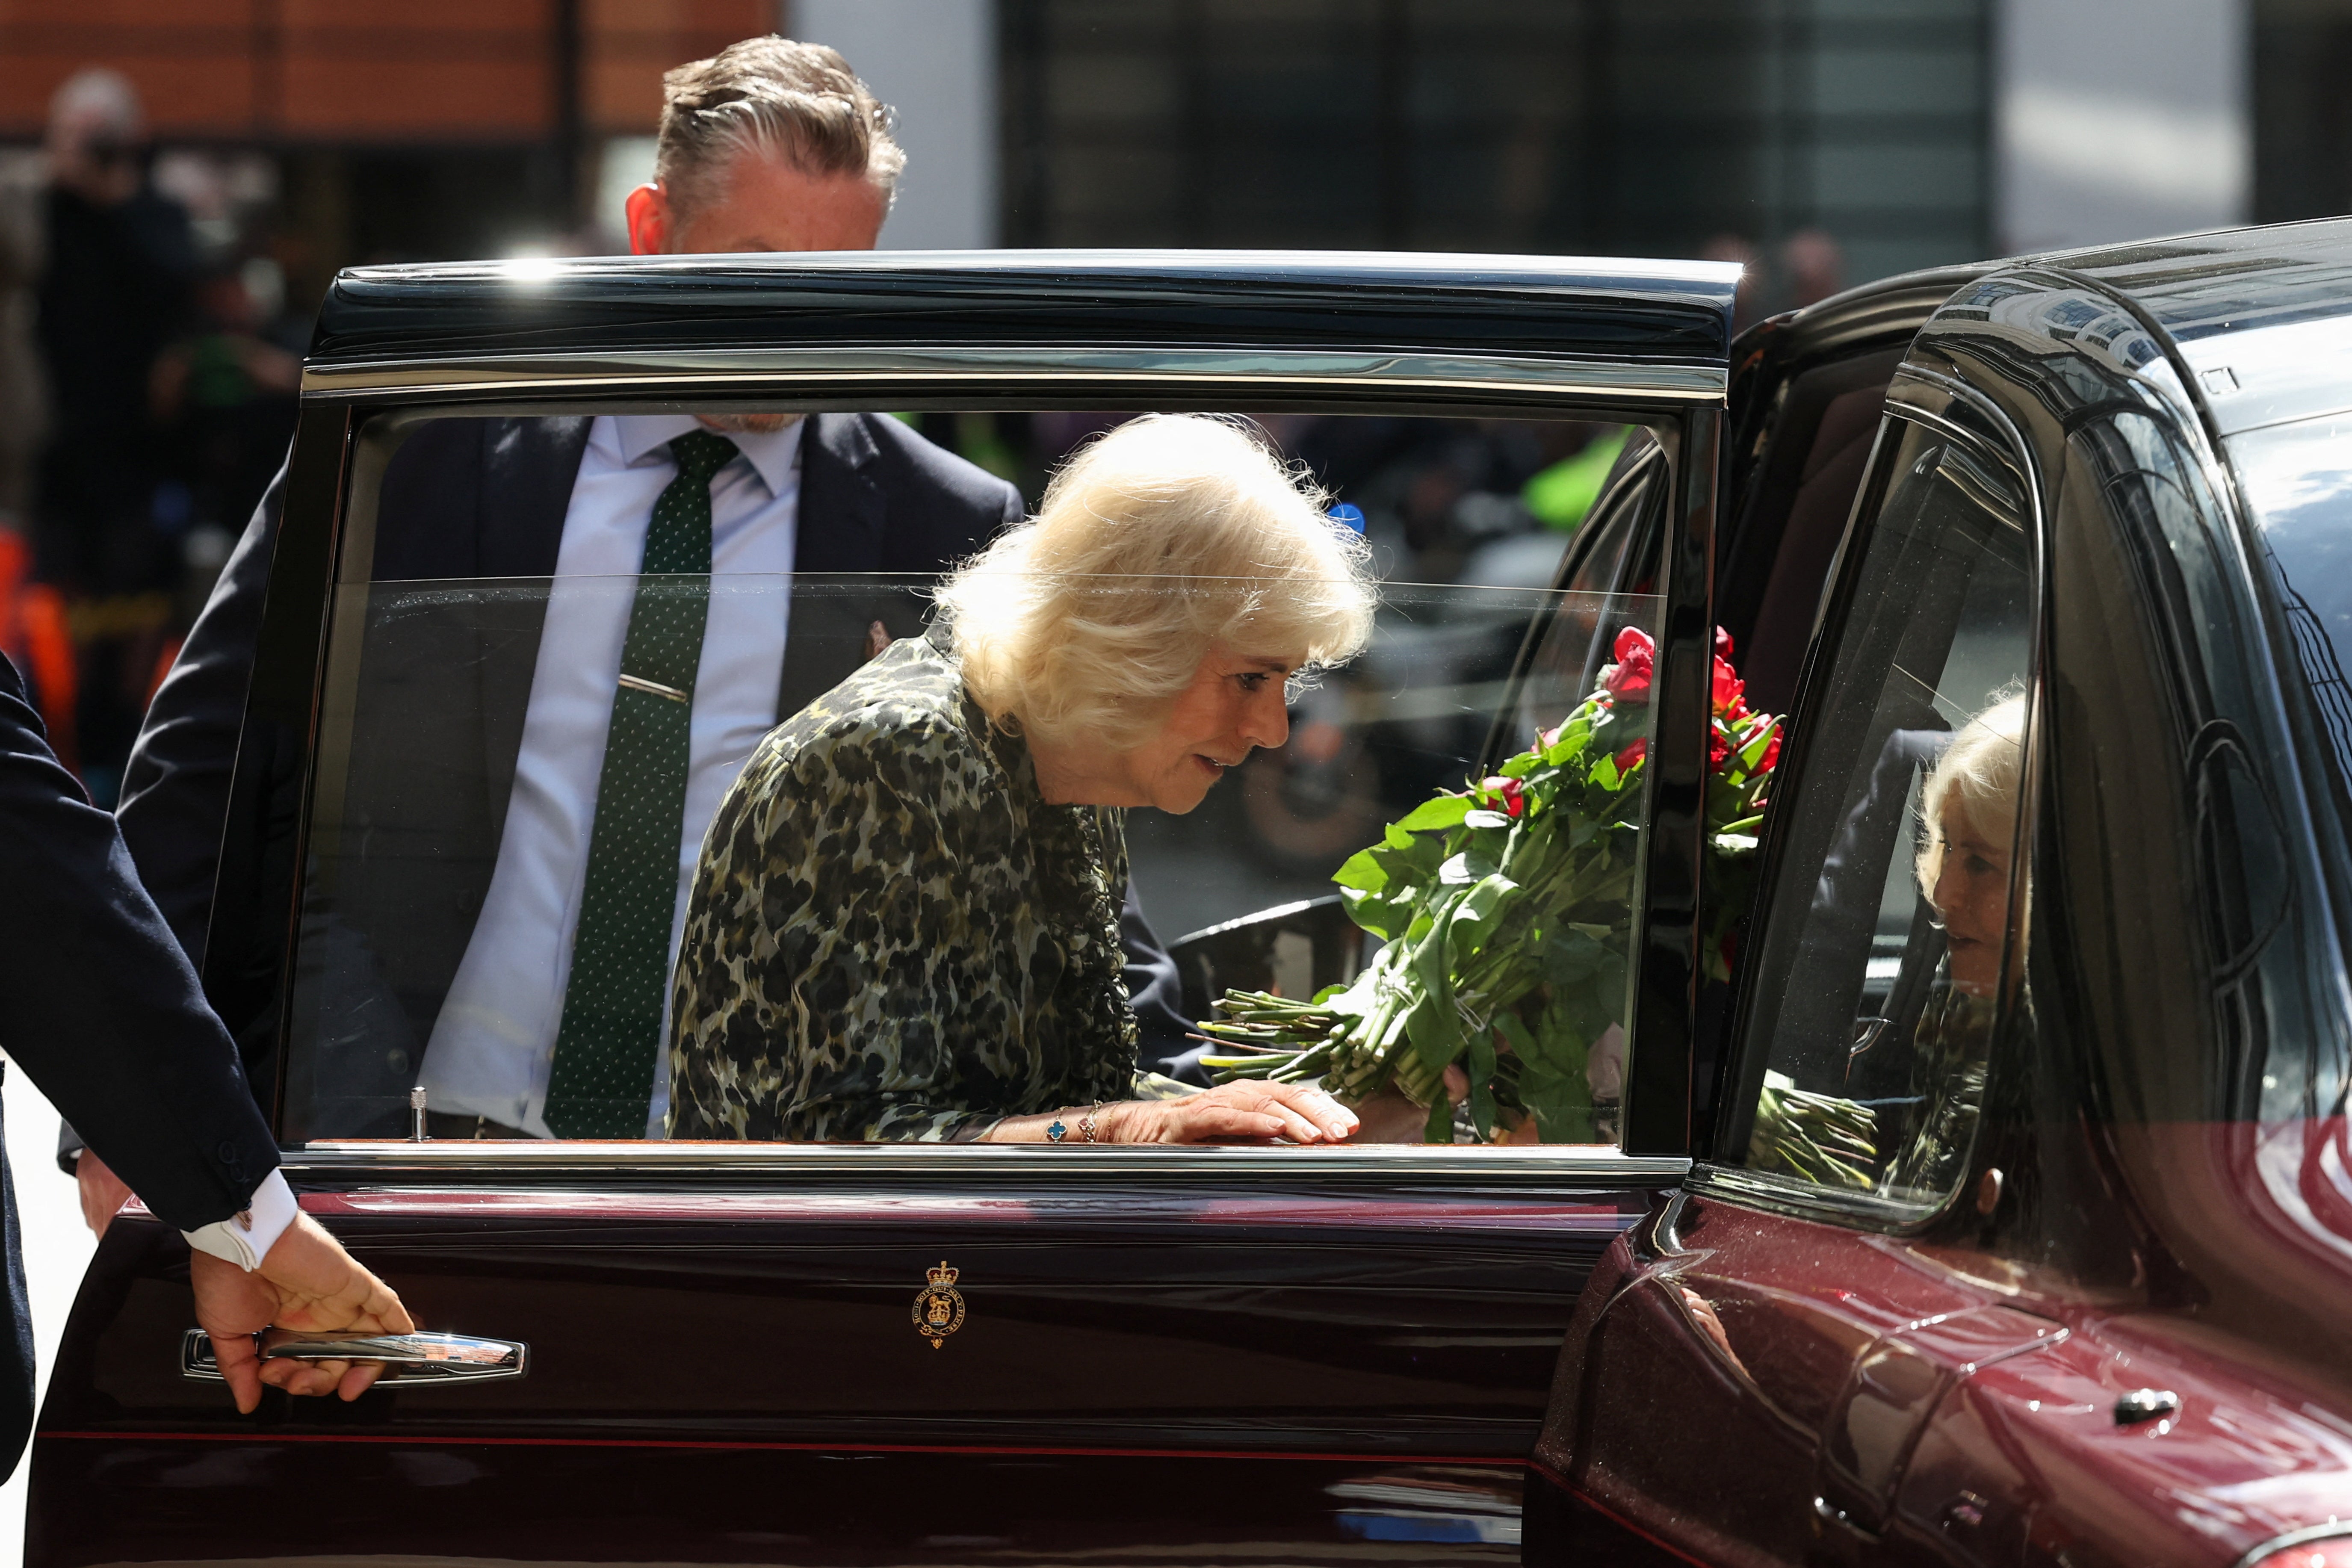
(1613, 557)
(1885, 951)
(465, 708)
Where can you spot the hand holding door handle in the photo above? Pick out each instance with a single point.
(417, 1358)
(307, 1282)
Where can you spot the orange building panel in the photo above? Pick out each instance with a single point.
(626, 45)
(191, 94)
(339, 98)
(89, 16)
(362, 70)
(454, 17)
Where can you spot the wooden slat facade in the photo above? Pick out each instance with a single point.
(364, 71)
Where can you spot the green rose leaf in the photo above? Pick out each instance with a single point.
(1442, 811)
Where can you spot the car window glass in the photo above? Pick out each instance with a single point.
(465, 714)
(1615, 553)
(1883, 948)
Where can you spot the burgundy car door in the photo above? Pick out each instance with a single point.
(1751, 1368)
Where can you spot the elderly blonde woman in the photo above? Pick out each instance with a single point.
(1967, 813)
(906, 922)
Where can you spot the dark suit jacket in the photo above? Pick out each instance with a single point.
(102, 1008)
(441, 719)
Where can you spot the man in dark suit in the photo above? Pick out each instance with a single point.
(743, 165)
(102, 1008)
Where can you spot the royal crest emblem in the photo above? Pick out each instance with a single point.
(938, 1306)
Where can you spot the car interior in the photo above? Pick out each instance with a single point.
(1513, 552)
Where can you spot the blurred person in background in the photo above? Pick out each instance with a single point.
(24, 403)
(114, 290)
(1812, 268)
(34, 628)
(224, 397)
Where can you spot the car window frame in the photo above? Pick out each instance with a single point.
(1941, 402)
(316, 550)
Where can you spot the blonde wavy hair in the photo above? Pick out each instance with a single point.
(1169, 534)
(1978, 773)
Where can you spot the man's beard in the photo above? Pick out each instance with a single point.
(747, 423)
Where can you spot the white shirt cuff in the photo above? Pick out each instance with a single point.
(245, 1239)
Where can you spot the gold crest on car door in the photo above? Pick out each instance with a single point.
(938, 1306)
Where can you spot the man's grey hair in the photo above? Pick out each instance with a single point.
(797, 102)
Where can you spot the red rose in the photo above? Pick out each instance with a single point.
(1730, 703)
(1718, 749)
(1628, 680)
(1513, 791)
(1771, 754)
(1722, 643)
(1630, 755)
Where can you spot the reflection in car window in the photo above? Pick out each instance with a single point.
(1885, 942)
(433, 680)
(1614, 553)
(2298, 482)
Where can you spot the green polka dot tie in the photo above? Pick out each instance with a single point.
(601, 1085)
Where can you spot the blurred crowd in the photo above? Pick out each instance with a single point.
(148, 373)
(149, 363)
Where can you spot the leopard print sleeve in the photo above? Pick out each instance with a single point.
(890, 935)
(825, 948)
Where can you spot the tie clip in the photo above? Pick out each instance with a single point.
(638, 683)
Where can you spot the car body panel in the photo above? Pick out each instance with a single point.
(2166, 1252)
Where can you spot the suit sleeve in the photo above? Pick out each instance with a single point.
(1156, 992)
(175, 787)
(99, 1003)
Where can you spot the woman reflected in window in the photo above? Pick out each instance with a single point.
(1967, 809)
(906, 922)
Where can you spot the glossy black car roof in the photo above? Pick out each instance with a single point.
(2204, 285)
(1655, 311)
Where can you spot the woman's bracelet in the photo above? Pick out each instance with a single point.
(1055, 1132)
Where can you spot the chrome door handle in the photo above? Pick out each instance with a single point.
(408, 1358)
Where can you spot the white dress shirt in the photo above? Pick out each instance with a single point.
(495, 1039)
(245, 1239)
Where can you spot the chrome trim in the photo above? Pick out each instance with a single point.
(2141, 1404)
(1143, 263)
(775, 371)
(435, 1358)
(2332, 1530)
(1799, 1199)
(966, 1163)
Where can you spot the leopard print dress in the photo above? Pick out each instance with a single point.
(892, 935)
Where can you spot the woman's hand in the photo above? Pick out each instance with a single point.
(1250, 1112)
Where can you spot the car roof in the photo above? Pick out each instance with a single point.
(1625, 311)
(2202, 286)
(2259, 319)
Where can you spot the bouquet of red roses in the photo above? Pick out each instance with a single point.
(1506, 910)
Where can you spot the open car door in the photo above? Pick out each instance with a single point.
(721, 1352)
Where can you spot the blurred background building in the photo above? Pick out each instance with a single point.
(317, 133)
(272, 141)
